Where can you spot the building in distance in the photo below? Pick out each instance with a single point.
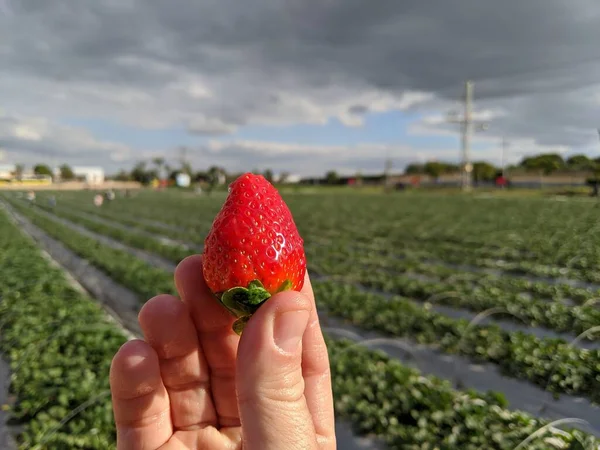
(90, 175)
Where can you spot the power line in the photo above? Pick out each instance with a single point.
(387, 170)
(504, 149)
(503, 75)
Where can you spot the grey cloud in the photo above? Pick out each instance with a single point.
(214, 66)
(208, 126)
(358, 110)
(305, 160)
(34, 140)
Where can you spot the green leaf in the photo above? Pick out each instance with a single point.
(244, 301)
(285, 286)
(240, 324)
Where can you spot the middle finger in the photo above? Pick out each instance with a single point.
(169, 329)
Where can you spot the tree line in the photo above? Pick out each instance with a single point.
(145, 172)
(159, 168)
(546, 163)
(66, 173)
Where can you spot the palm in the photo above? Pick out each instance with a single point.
(177, 389)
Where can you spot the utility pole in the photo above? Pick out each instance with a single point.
(182, 155)
(387, 171)
(596, 172)
(467, 126)
(466, 136)
(504, 148)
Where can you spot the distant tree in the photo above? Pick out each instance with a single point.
(230, 177)
(200, 176)
(434, 169)
(66, 173)
(42, 169)
(284, 177)
(140, 174)
(19, 170)
(413, 169)
(122, 176)
(159, 163)
(580, 162)
(213, 177)
(332, 177)
(268, 174)
(219, 173)
(359, 178)
(546, 163)
(451, 168)
(483, 171)
(186, 168)
(594, 181)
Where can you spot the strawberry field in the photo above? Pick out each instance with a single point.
(452, 322)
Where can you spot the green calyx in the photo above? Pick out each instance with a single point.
(285, 286)
(242, 302)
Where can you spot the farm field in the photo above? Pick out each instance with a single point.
(451, 321)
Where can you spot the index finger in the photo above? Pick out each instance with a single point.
(216, 337)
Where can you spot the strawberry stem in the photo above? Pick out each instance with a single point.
(245, 300)
(242, 302)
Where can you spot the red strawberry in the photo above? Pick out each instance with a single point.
(253, 249)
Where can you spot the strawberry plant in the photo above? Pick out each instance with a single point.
(549, 363)
(515, 254)
(378, 395)
(59, 345)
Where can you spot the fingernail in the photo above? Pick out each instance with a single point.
(289, 328)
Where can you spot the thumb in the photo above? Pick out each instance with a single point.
(270, 387)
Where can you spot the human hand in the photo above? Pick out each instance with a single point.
(194, 384)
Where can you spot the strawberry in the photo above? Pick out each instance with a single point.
(253, 249)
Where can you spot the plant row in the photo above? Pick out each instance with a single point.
(459, 293)
(109, 212)
(338, 259)
(517, 229)
(378, 395)
(464, 257)
(59, 345)
(193, 215)
(131, 238)
(549, 363)
(124, 268)
(412, 412)
(455, 292)
(323, 221)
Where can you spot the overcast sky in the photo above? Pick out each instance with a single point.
(303, 85)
